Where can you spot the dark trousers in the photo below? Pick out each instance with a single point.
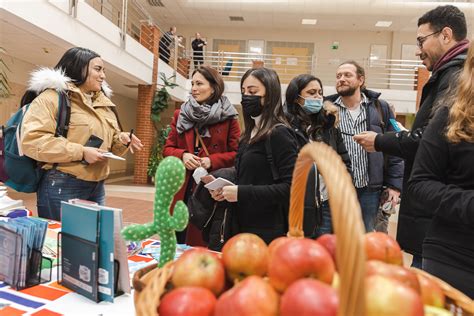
(57, 186)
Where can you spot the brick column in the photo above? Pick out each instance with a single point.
(149, 38)
(423, 76)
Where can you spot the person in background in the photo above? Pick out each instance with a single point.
(198, 47)
(166, 43)
(443, 182)
(314, 122)
(204, 134)
(260, 201)
(442, 46)
(74, 167)
(362, 110)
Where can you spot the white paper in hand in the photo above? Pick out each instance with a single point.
(112, 156)
(198, 173)
(218, 183)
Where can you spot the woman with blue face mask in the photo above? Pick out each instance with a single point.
(260, 199)
(314, 121)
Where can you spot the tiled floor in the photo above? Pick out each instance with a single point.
(136, 202)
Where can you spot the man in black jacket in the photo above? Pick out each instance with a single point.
(362, 110)
(442, 46)
(198, 47)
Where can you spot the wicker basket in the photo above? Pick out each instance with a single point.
(150, 282)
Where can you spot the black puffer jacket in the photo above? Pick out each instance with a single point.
(414, 219)
(332, 137)
(213, 218)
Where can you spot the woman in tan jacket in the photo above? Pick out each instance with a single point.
(75, 166)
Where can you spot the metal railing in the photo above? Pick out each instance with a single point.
(387, 73)
(128, 15)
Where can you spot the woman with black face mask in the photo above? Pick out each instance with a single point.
(265, 159)
(313, 121)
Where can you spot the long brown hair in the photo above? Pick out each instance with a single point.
(461, 114)
(272, 112)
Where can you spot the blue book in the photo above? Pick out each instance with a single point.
(80, 221)
(80, 249)
(106, 277)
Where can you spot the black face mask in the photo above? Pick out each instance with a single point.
(251, 105)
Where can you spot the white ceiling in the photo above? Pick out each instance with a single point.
(29, 50)
(287, 14)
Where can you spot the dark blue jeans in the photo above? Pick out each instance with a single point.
(369, 201)
(57, 186)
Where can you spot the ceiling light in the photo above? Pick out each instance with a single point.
(309, 21)
(383, 23)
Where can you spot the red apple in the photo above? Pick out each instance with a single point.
(243, 255)
(199, 267)
(380, 246)
(297, 259)
(328, 241)
(431, 292)
(275, 244)
(308, 297)
(389, 297)
(186, 301)
(251, 297)
(404, 275)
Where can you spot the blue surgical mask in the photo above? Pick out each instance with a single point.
(312, 106)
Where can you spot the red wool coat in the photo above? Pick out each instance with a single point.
(222, 147)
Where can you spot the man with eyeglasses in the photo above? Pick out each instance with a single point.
(442, 46)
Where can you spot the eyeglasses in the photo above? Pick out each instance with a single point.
(420, 40)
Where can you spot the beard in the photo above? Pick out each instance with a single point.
(346, 91)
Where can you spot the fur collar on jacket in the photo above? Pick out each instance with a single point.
(49, 78)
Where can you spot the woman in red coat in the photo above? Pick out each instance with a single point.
(204, 133)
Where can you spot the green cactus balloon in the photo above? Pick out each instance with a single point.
(168, 180)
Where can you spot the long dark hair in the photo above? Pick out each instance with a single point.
(75, 65)
(297, 115)
(272, 112)
(215, 80)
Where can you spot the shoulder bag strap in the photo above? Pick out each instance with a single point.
(199, 138)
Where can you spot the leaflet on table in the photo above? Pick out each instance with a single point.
(218, 183)
(153, 250)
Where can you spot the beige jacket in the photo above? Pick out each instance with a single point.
(87, 118)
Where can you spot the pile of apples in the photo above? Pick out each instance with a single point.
(293, 277)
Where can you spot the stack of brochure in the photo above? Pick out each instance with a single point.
(21, 241)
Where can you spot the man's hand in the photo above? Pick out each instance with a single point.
(393, 196)
(217, 195)
(366, 140)
(230, 193)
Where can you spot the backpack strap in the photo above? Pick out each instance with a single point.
(64, 115)
(378, 106)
